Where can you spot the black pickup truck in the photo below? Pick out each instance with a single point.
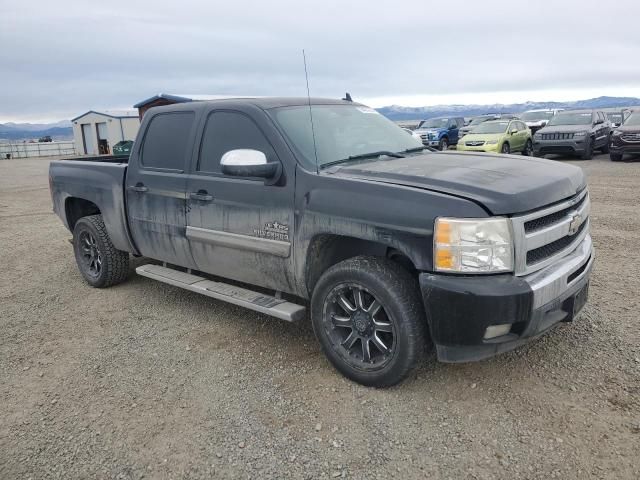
(267, 203)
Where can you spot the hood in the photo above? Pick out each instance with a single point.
(482, 136)
(629, 128)
(504, 184)
(539, 123)
(564, 128)
(429, 130)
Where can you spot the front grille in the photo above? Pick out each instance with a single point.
(475, 143)
(543, 237)
(542, 253)
(557, 136)
(630, 137)
(543, 222)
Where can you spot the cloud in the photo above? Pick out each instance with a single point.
(62, 58)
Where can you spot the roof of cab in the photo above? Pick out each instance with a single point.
(265, 103)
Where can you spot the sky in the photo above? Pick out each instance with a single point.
(61, 58)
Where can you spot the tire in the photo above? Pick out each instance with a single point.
(443, 144)
(605, 148)
(398, 322)
(615, 157)
(588, 153)
(506, 149)
(528, 149)
(99, 262)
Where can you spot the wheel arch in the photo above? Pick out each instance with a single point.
(75, 208)
(326, 250)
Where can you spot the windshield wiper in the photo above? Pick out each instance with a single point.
(419, 149)
(362, 156)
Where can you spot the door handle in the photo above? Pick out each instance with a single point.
(139, 187)
(201, 196)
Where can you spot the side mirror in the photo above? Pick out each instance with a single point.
(249, 163)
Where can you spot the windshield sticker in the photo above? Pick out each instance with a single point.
(367, 110)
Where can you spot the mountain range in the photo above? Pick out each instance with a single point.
(62, 130)
(26, 131)
(397, 112)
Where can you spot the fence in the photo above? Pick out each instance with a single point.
(39, 149)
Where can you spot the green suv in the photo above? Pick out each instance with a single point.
(504, 136)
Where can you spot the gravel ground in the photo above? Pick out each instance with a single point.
(144, 380)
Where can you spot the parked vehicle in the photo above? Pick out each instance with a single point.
(504, 136)
(393, 245)
(440, 132)
(475, 121)
(615, 118)
(123, 147)
(536, 119)
(45, 139)
(626, 138)
(574, 132)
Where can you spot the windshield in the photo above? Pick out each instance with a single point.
(341, 131)
(536, 116)
(492, 127)
(434, 123)
(633, 120)
(615, 117)
(479, 120)
(583, 118)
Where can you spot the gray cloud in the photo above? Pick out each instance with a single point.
(62, 58)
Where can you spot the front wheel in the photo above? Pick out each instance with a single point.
(99, 262)
(444, 144)
(588, 152)
(368, 316)
(528, 149)
(505, 148)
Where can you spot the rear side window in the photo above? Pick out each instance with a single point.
(166, 141)
(226, 131)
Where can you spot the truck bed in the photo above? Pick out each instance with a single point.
(98, 180)
(99, 158)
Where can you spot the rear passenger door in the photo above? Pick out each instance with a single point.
(240, 228)
(156, 188)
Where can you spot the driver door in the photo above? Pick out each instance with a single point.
(239, 227)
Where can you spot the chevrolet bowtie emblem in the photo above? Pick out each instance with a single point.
(574, 226)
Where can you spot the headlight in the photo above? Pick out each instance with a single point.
(491, 142)
(537, 135)
(478, 245)
(617, 133)
(579, 134)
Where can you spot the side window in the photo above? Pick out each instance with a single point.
(226, 131)
(166, 141)
(522, 126)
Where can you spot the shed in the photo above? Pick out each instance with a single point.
(95, 133)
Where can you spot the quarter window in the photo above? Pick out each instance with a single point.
(226, 131)
(167, 140)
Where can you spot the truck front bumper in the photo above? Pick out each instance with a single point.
(462, 311)
(573, 146)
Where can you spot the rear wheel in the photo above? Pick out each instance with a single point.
(99, 262)
(605, 147)
(444, 144)
(528, 149)
(505, 148)
(367, 314)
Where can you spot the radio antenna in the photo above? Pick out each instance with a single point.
(313, 132)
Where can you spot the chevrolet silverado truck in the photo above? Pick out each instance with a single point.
(574, 132)
(440, 132)
(283, 205)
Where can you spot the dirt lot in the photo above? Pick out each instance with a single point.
(146, 380)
